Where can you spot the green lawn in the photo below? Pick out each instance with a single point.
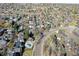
(28, 52)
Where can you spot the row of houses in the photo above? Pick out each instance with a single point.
(10, 35)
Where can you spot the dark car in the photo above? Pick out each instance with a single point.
(2, 31)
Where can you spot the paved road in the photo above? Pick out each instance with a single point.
(38, 48)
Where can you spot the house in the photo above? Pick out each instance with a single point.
(2, 23)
